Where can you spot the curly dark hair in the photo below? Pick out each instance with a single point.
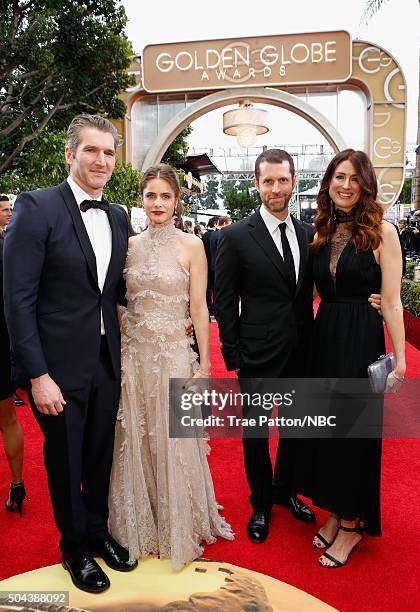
(366, 233)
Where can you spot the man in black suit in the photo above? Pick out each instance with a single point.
(64, 256)
(210, 247)
(5, 211)
(263, 261)
(416, 232)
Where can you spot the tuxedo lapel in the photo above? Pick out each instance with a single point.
(113, 262)
(304, 251)
(259, 232)
(80, 229)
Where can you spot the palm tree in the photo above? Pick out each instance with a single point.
(371, 8)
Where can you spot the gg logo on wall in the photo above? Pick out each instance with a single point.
(381, 78)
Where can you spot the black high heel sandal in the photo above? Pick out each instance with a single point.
(337, 563)
(323, 540)
(16, 496)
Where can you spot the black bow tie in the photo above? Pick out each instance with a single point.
(99, 204)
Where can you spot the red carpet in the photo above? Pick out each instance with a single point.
(382, 574)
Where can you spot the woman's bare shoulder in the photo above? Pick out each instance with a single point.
(389, 231)
(387, 226)
(190, 240)
(135, 239)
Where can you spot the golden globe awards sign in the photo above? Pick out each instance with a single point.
(289, 59)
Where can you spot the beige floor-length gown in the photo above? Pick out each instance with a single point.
(162, 499)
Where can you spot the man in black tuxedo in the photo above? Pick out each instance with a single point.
(263, 261)
(64, 256)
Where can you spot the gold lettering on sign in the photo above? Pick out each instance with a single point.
(384, 147)
(272, 60)
(384, 123)
(378, 70)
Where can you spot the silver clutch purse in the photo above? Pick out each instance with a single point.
(378, 372)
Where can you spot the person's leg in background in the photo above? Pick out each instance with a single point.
(13, 445)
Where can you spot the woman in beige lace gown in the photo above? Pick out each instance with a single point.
(162, 499)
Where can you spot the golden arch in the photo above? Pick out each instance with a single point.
(224, 97)
(374, 71)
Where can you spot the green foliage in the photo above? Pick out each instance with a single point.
(177, 152)
(58, 59)
(240, 197)
(124, 186)
(305, 184)
(410, 296)
(43, 165)
(409, 270)
(209, 199)
(405, 195)
(370, 9)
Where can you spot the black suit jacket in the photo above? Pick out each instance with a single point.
(210, 240)
(51, 294)
(274, 320)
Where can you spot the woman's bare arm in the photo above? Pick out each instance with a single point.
(198, 306)
(390, 260)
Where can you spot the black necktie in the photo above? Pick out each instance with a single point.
(288, 257)
(99, 204)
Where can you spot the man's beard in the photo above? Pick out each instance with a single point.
(278, 207)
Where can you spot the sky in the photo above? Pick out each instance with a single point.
(395, 27)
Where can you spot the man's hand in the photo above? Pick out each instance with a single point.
(47, 395)
(189, 331)
(375, 302)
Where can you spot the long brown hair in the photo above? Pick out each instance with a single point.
(368, 213)
(168, 174)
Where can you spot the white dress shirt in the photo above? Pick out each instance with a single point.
(272, 224)
(99, 232)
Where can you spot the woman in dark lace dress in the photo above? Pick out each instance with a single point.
(355, 253)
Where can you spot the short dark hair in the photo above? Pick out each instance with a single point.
(4, 198)
(274, 156)
(213, 221)
(92, 121)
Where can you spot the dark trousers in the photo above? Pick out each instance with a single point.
(265, 486)
(210, 292)
(78, 448)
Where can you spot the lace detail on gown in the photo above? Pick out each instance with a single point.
(338, 243)
(161, 493)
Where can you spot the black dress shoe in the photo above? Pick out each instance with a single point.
(257, 528)
(86, 574)
(298, 508)
(114, 555)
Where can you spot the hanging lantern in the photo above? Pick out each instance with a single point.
(246, 123)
